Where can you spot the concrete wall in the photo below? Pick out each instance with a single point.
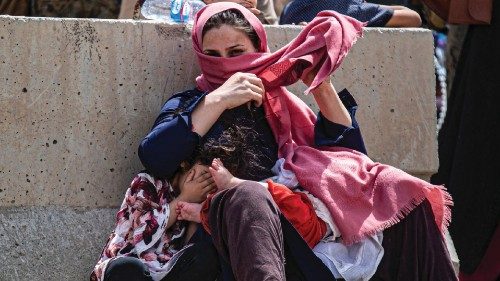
(77, 96)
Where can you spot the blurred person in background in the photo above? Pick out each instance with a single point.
(301, 11)
(105, 9)
(469, 140)
(14, 8)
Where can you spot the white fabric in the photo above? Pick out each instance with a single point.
(357, 262)
(284, 176)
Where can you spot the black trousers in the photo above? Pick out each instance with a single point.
(198, 262)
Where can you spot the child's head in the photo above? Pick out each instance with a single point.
(232, 148)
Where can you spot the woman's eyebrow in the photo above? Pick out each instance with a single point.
(232, 47)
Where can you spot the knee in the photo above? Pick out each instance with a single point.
(251, 196)
(127, 268)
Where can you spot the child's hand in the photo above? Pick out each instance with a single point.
(198, 184)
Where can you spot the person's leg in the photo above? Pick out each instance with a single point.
(199, 262)
(489, 267)
(15, 8)
(189, 211)
(301, 262)
(414, 249)
(246, 230)
(127, 269)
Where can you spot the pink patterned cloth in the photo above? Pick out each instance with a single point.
(141, 229)
(362, 196)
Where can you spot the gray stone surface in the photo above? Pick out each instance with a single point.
(77, 96)
(52, 243)
(60, 244)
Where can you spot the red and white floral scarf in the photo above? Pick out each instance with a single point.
(141, 229)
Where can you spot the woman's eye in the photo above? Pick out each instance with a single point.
(235, 53)
(212, 53)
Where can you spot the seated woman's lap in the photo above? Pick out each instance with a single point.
(414, 249)
(199, 262)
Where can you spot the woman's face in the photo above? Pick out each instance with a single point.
(226, 42)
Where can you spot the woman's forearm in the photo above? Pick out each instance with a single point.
(206, 114)
(330, 104)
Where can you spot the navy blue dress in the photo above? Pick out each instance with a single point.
(298, 11)
(172, 141)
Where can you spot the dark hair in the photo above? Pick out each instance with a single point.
(236, 147)
(235, 19)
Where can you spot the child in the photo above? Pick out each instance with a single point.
(295, 206)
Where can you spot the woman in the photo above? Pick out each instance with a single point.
(251, 236)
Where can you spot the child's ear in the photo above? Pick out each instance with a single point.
(184, 165)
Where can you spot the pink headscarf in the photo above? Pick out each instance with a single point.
(362, 196)
(299, 57)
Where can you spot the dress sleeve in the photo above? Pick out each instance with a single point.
(374, 15)
(171, 140)
(327, 133)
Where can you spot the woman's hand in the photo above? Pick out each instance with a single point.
(327, 100)
(308, 79)
(198, 184)
(239, 89)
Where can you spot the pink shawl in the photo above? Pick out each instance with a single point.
(362, 196)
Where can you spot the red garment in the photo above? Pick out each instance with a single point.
(362, 196)
(295, 206)
(204, 213)
(299, 211)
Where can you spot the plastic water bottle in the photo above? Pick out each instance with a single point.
(180, 11)
(176, 10)
(193, 6)
(157, 10)
(184, 10)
